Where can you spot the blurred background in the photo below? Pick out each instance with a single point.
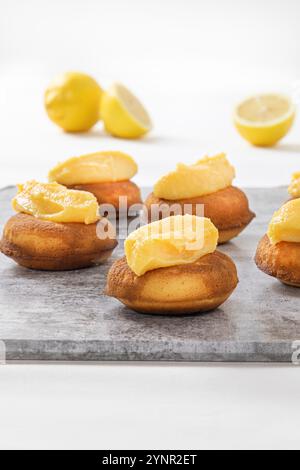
(190, 62)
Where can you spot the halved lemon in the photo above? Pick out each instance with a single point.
(264, 119)
(123, 114)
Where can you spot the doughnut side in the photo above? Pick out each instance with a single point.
(109, 193)
(281, 260)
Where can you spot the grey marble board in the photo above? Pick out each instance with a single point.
(66, 316)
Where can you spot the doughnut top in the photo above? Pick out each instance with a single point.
(56, 203)
(171, 241)
(285, 223)
(97, 167)
(206, 176)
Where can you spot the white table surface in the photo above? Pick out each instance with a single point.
(149, 406)
(190, 62)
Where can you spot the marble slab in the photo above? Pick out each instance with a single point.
(65, 316)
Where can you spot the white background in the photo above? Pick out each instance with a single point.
(190, 61)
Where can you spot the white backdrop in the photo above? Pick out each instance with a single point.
(189, 61)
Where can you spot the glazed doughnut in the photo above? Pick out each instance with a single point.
(51, 246)
(228, 209)
(281, 260)
(107, 175)
(189, 288)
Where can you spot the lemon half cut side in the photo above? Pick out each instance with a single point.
(123, 114)
(264, 119)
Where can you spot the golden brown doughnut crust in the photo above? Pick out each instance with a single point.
(109, 193)
(197, 287)
(228, 210)
(50, 246)
(281, 260)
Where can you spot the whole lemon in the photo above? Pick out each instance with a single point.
(73, 100)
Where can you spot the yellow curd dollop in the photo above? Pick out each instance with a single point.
(56, 203)
(97, 167)
(285, 223)
(294, 187)
(206, 176)
(171, 241)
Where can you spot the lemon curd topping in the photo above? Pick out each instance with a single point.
(294, 187)
(206, 176)
(171, 241)
(53, 202)
(285, 223)
(73, 100)
(100, 167)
